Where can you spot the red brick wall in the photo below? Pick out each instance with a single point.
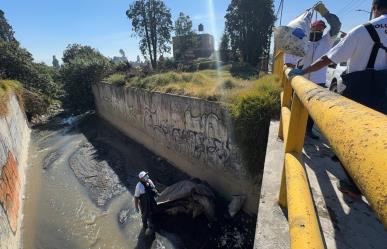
(10, 191)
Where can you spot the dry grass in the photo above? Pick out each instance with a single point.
(250, 103)
(206, 84)
(6, 87)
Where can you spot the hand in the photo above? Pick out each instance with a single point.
(296, 72)
(320, 7)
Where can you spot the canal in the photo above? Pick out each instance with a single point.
(79, 194)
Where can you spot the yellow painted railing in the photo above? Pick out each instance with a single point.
(357, 134)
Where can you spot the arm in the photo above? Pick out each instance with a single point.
(334, 22)
(136, 200)
(153, 186)
(332, 19)
(341, 52)
(319, 64)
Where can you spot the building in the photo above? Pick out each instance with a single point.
(205, 46)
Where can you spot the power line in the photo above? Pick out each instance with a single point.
(280, 11)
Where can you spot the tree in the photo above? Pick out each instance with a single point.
(83, 66)
(6, 32)
(185, 36)
(224, 48)
(249, 26)
(17, 63)
(122, 53)
(152, 22)
(55, 63)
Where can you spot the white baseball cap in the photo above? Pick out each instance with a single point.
(142, 174)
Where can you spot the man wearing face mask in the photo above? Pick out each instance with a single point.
(319, 45)
(365, 50)
(144, 197)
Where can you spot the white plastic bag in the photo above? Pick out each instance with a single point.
(293, 38)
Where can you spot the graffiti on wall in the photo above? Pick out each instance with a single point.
(10, 190)
(202, 137)
(179, 124)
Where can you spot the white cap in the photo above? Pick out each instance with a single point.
(142, 174)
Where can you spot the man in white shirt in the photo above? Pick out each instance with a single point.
(318, 46)
(362, 53)
(145, 196)
(357, 46)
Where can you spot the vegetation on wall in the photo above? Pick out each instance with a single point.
(38, 80)
(251, 111)
(251, 103)
(6, 88)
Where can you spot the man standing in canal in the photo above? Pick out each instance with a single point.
(144, 197)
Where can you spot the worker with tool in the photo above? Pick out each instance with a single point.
(144, 195)
(319, 45)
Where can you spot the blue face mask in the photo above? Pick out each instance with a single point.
(146, 178)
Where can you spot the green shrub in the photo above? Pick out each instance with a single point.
(35, 103)
(228, 84)
(243, 70)
(167, 64)
(251, 112)
(83, 66)
(208, 65)
(17, 63)
(118, 79)
(188, 67)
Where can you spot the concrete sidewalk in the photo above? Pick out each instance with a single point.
(346, 223)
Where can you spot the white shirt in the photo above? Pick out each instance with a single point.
(140, 188)
(357, 46)
(315, 51)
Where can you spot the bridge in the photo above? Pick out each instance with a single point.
(300, 204)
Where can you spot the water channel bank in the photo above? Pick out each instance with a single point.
(80, 183)
(195, 135)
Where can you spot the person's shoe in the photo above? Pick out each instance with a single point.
(312, 135)
(349, 189)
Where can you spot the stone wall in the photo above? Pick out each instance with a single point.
(14, 140)
(193, 134)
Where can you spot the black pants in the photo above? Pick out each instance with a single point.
(146, 218)
(309, 125)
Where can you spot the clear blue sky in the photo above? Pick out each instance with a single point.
(46, 27)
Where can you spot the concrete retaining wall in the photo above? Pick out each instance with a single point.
(14, 140)
(193, 134)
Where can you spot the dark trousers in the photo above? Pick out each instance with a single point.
(309, 125)
(146, 217)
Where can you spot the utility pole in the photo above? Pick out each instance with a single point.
(366, 11)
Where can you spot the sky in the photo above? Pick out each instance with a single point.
(46, 27)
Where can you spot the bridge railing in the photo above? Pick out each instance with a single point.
(358, 136)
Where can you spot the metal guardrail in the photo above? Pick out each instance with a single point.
(357, 134)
